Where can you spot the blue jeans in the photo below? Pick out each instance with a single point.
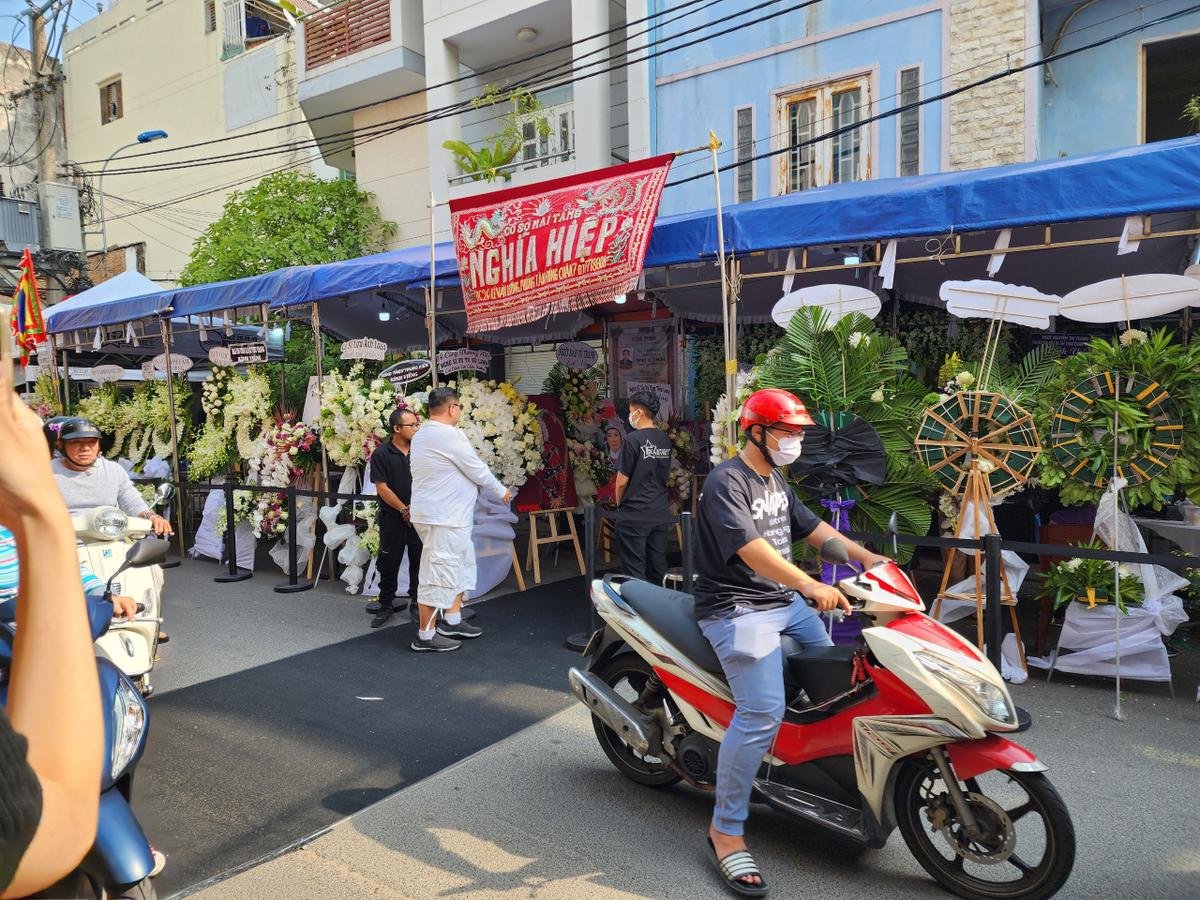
(749, 650)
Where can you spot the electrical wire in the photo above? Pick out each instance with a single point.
(946, 95)
(461, 78)
(392, 126)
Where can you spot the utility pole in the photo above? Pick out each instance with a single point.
(45, 94)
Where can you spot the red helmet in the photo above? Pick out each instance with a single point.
(774, 408)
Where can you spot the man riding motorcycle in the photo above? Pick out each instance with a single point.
(747, 594)
(87, 480)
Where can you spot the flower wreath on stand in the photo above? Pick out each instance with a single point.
(683, 464)
(579, 392)
(725, 413)
(503, 427)
(352, 415)
(141, 425)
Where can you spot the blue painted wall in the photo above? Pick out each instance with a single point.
(684, 110)
(1092, 101)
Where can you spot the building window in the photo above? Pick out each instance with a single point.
(210, 16)
(557, 145)
(743, 124)
(111, 105)
(1172, 78)
(908, 122)
(804, 116)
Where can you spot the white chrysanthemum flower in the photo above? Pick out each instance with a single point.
(964, 379)
(1133, 336)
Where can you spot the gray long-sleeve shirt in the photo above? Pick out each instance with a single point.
(103, 484)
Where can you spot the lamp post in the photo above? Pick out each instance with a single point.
(144, 138)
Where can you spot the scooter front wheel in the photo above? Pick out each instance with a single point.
(628, 675)
(1025, 845)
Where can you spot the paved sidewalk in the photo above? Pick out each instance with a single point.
(543, 815)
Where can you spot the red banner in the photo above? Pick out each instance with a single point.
(558, 246)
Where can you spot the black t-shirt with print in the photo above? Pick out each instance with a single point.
(645, 461)
(737, 506)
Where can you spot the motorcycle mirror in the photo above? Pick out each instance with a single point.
(834, 551)
(146, 552)
(163, 494)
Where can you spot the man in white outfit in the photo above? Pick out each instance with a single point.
(447, 475)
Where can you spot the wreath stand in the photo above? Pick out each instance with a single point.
(977, 496)
(533, 558)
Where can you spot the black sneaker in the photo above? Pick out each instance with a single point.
(373, 607)
(461, 630)
(381, 619)
(436, 644)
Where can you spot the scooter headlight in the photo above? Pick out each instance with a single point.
(129, 723)
(991, 700)
(110, 522)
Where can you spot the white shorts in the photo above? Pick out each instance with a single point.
(447, 563)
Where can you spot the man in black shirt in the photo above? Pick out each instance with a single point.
(643, 515)
(393, 480)
(749, 592)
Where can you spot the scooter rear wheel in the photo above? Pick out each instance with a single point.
(628, 675)
(1027, 848)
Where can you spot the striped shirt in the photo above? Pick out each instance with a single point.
(10, 572)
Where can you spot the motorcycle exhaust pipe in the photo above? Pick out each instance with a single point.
(636, 729)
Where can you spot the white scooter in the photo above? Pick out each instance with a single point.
(105, 535)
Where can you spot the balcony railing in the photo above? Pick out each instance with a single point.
(345, 29)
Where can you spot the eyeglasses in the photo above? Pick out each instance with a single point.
(456, 405)
(410, 424)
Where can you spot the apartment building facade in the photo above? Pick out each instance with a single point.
(200, 70)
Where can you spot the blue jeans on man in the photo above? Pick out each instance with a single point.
(748, 646)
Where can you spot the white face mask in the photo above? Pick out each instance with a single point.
(632, 423)
(788, 451)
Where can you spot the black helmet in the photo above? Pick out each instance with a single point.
(52, 428)
(76, 429)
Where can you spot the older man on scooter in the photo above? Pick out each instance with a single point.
(87, 480)
(748, 594)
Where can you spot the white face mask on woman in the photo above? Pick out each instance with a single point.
(788, 451)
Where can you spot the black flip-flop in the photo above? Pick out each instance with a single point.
(737, 865)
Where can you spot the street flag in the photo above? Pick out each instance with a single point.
(558, 246)
(27, 326)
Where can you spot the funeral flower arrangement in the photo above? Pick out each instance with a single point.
(578, 390)
(141, 425)
(235, 410)
(679, 477)
(44, 400)
(247, 407)
(368, 513)
(503, 427)
(726, 412)
(590, 463)
(1093, 581)
(352, 415)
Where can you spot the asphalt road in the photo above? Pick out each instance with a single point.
(276, 715)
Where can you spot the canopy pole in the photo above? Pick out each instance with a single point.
(729, 326)
(165, 326)
(58, 392)
(319, 354)
(431, 292)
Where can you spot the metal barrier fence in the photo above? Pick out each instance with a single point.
(990, 545)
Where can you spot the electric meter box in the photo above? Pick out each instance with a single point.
(60, 212)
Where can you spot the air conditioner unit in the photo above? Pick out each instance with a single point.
(60, 212)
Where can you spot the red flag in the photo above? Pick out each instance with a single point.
(27, 325)
(562, 245)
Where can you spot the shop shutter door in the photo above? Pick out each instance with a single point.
(532, 365)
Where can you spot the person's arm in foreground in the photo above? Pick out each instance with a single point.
(856, 551)
(766, 561)
(54, 691)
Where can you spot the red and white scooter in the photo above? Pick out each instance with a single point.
(905, 729)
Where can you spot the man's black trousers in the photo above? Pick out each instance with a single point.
(396, 535)
(643, 550)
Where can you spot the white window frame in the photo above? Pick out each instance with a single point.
(737, 148)
(1143, 76)
(823, 92)
(555, 153)
(920, 67)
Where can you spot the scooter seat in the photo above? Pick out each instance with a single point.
(673, 615)
(821, 672)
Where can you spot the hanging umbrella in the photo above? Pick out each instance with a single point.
(837, 299)
(1130, 297)
(987, 299)
(841, 453)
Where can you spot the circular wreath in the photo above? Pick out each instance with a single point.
(1150, 436)
(981, 425)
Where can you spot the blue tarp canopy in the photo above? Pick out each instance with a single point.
(122, 298)
(1150, 178)
(1147, 179)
